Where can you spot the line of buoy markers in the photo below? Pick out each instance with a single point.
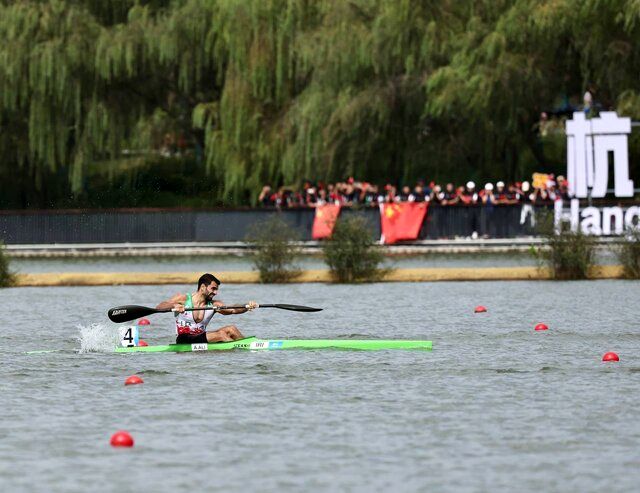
(122, 438)
(608, 357)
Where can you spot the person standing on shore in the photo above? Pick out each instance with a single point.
(191, 326)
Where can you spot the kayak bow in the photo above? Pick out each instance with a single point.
(255, 344)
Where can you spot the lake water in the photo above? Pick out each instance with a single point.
(495, 406)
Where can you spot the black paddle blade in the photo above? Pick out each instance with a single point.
(295, 308)
(127, 313)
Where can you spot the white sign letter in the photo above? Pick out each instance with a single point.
(588, 145)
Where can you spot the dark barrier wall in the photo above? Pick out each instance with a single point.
(501, 221)
(121, 226)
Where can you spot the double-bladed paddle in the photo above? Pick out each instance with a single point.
(126, 313)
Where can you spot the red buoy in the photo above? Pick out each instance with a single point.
(142, 342)
(610, 356)
(541, 327)
(480, 309)
(144, 321)
(121, 439)
(133, 380)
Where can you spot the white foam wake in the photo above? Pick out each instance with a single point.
(97, 338)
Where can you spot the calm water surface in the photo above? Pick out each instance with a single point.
(495, 406)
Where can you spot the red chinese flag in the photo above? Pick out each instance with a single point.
(401, 221)
(325, 220)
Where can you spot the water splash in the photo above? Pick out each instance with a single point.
(97, 338)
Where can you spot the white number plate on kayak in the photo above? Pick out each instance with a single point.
(129, 336)
(203, 346)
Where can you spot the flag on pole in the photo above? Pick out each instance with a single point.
(401, 221)
(325, 220)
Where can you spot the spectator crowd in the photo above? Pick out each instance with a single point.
(543, 189)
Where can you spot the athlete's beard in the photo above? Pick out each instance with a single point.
(208, 297)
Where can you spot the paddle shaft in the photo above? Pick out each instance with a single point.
(130, 312)
(295, 308)
(215, 308)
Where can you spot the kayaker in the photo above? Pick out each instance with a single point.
(191, 326)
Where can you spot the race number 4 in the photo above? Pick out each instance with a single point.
(129, 336)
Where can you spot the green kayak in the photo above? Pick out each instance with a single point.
(255, 344)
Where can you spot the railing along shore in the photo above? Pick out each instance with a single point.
(178, 249)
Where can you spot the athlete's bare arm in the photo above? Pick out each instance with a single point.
(235, 311)
(176, 302)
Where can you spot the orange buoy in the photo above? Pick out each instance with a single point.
(610, 356)
(541, 327)
(480, 309)
(142, 342)
(121, 439)
(133, 380)
(144, 321)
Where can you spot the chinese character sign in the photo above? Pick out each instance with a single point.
(589, 142)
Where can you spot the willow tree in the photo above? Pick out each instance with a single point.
(282, 90)
(44, 72)
(322, 90)
(403, 89)
(83, 81)
(362, 112)
(513, 59)
(258, 40)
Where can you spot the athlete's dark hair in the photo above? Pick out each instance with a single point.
(207, 279)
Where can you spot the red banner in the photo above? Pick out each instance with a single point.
(401, 221)
(325, 220)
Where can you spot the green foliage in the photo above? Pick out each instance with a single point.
(7, 277)
(282, 90)
(274, 250)
(629, 254)
(351, 254)
(569, 254)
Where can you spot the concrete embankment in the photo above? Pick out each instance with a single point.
(180, 249)
(397, 275)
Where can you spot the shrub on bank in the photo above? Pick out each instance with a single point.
(274, 250)
(351, 254)
(569, 254)
(629, 254)
(7, 277)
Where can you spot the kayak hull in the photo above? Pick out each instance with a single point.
(255, 344)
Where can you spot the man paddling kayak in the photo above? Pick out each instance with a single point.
(191, 326)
